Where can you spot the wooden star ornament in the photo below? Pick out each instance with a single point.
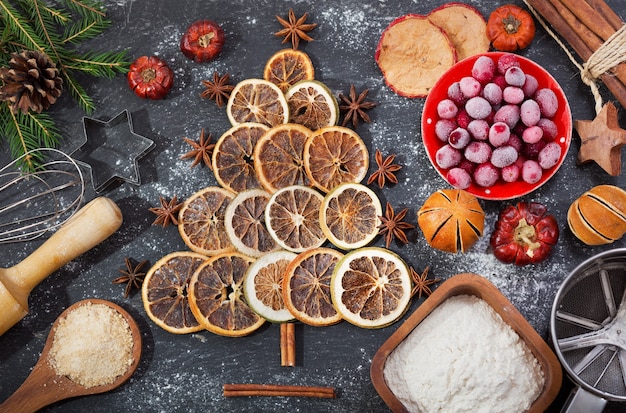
(602, 140)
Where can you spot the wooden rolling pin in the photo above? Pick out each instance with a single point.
(91, 225)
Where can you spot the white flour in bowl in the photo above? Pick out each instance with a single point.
(464, 358)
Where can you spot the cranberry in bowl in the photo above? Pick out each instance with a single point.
(497, 125)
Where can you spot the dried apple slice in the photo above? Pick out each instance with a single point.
(465, 26)
(412, 54)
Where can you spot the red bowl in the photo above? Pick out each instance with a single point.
(500, 190)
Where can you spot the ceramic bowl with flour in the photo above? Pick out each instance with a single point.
(466, 349)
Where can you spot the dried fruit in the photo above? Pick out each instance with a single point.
(259, 101)
(452, 220)
(353, 107)
(167, 212)
(371, 287)
(412, 54)
(150, 77)
(219, 89)
(524, 234)
(465, 26)
(393, 226)
(131, 276)
(312, 104)
(295, 29)
(203, 41)
(287, 67)
(598, 216)
(510, 28)
(386, 170)
(202, 150)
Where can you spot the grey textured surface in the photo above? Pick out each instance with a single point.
(186, 372)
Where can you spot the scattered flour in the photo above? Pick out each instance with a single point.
(464, 358)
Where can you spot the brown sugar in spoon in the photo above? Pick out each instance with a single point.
(44, 386)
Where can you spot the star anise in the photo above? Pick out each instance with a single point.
(202, 150)
(295, 29)
(167, 212)
(422, 283)
(393, 225)
(354, 107)
(218, 90)
(386, 170)
(131, 276)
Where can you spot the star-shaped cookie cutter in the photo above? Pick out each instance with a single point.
(111, 150)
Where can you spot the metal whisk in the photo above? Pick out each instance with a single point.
(33, 203)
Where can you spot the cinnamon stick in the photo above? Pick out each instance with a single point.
(552, 16)
(590, 18)
(287, 344)
(607, 13)
(252, 389)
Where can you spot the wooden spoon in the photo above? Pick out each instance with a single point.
(44, 386)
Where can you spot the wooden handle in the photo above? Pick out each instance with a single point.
(91, 225)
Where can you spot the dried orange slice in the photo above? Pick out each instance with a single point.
(371, 287)
(201, 221)
(287, 67)
(244, 220)
(259, 101)
(306, 286)
(164, 292)
(263, 286)
(350, 216)
(312, 104)
(232, 157)
(278, 157)
(412, 54)
(334, 155)
(292, 218)
(216, 296)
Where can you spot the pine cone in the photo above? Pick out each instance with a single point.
(31, 81)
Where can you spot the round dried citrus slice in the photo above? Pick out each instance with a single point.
(259, 101)
(244, 220)
(287, 67)
(312, 104)
(306, 286)
(216, 296)
(201, 221)
(350, 215)
(278, 157)
(263, 286)
(164, 292)
(292, 218)
(334, 155)
(412, 54)
(371, 287)
(232, 157)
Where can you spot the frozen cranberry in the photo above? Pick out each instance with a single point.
(467, 165)
(549, 155)
(506, 61)
(477, 152)
(483, 69)
(513, 95)
(459, 138)
(550, 130)
(531, 172)
(493, 93)
(500, 80)
(486, 174)
(443, 128)
(478, 129)
(478, 107)
(508, 114)
(510, 173)
(548, 103)
(532, 134)
(515, 141)
(503, 156)
(515, 76)
(455, 94)
(529, 112)
(447, 109)
(463, 119)
(459, 178)
(499, 134)
(531, 150)
(530, 85)
(470, 87)
(447, 157)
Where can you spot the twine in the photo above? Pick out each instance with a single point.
(611, 53)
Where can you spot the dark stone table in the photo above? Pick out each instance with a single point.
(186, 372)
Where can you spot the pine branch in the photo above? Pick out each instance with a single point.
(20, 27)
(85, 30)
